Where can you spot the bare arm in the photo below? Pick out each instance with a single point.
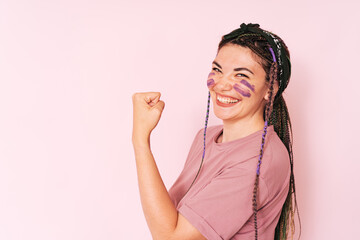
(162, 218)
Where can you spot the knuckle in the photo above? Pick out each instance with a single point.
(135, 96)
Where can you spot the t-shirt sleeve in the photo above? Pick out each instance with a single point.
(223, 206)
(176, 191)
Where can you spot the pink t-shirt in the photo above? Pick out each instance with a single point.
(219, 204)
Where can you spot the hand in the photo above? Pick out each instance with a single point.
(147, 109)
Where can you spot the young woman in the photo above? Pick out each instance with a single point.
(222, 193)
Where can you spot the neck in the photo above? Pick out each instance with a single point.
(233, 130)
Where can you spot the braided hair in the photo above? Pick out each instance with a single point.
(273, 55)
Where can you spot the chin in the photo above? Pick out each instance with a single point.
(225, 115)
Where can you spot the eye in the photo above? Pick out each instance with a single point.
(216, 69)
(242, 75)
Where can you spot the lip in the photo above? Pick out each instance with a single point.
(226, 104)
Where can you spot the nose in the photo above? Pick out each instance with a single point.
(223, 84)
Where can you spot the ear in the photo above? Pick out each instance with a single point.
(275, 89)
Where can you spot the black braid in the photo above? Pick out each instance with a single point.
(268, 108)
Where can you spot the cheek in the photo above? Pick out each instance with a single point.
(210, 82)
(243, 91)
(247, 84)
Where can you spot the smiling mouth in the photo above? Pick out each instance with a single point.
(226, 99)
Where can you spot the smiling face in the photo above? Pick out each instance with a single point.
(237, 84)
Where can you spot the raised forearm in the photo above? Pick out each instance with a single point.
(160, 212)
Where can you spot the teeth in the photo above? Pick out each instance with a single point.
(226, 100)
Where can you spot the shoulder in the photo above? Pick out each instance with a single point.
(275, 167)
(199, 136)
(210, 131)
(278, 151)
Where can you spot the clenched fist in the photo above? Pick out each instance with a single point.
(147, 109)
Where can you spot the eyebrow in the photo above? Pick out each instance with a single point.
(235, 69)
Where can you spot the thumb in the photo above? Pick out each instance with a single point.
(160, 105)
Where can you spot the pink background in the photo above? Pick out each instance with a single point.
(67, 73)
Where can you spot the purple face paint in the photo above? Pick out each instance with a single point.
(245, 93)
(210, 82)
(246, 83)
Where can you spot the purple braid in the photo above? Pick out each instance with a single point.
(203, 155)
(262, 147)
(268, 109)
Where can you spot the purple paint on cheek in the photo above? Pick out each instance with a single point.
(210, 74)
(210, 82)
(245, 93)
(246, 83)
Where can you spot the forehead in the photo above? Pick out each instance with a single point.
(232, 56)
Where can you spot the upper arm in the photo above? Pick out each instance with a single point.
(185, 230)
